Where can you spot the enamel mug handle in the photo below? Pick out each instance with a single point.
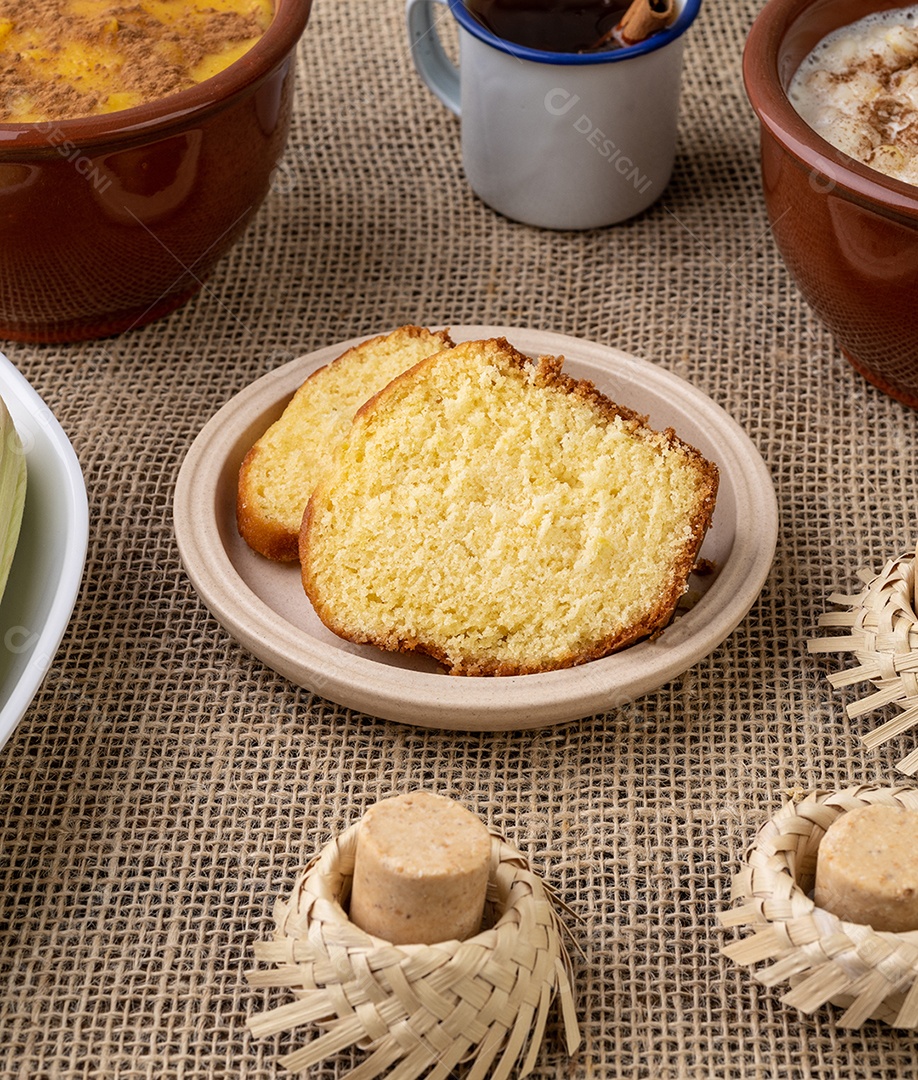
(430, 59)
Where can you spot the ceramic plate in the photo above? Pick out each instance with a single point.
(48, 565)
(263, 606)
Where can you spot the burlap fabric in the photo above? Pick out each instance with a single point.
(164, 787)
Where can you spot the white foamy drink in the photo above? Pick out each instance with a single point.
(858, 89)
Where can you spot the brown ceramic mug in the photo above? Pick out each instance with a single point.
(108, 222)
(848, 234)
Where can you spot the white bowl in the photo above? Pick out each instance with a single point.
(48, 565)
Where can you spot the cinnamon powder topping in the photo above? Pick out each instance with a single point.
(859, 90)
(67, 58)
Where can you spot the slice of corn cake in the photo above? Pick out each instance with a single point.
(503, 518)
(279, 472)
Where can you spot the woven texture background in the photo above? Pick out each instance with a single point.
(164, 787)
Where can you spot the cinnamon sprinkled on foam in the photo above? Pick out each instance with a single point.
(858, 89)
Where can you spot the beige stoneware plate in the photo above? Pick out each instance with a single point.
(262, 604)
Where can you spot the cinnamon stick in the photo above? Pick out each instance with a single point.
(643, 18)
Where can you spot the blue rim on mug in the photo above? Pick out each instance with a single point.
(683, 21)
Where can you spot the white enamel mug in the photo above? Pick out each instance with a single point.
(557, 140)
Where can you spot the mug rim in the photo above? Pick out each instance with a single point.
(684, 20)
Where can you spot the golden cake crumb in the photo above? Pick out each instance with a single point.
(503, 518)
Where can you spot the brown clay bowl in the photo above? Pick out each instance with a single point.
(848, 234)
(109, 222)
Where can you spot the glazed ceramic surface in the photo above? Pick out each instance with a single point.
(558, 140)
(109, 222)
(848, 234)
(263, 606)
(47, 568)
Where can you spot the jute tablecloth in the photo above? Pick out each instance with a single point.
(165, 786)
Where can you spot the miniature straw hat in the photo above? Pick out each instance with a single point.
(883, 634)
(871, 974)
(418, 1009)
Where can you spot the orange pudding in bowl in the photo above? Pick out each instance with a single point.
(68, 58)
(111, 219)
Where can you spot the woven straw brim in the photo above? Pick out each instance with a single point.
(883, 634)
(418, 1009)
(871, 974)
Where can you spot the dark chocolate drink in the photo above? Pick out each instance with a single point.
(570, 26)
